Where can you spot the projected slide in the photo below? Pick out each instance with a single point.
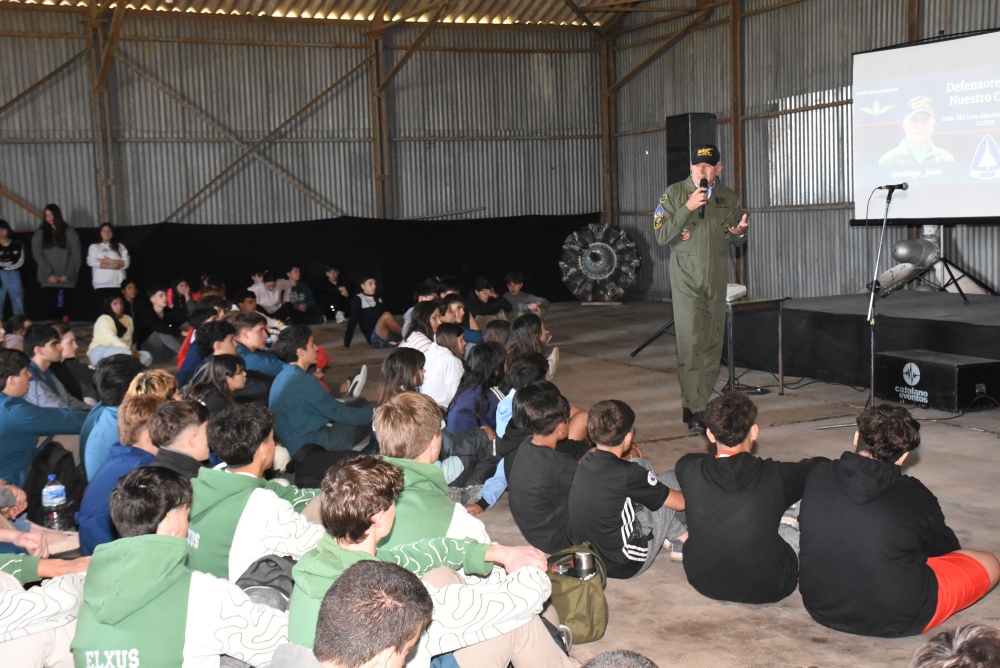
(929, 115)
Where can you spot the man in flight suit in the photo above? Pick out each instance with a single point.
(699, 250)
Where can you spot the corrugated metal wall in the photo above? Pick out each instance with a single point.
(47, 138)
(482, 123)
(797, 70)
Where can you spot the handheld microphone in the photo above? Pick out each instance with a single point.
(895, 186)
(701, 209)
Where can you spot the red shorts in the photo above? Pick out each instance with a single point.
(961, 582)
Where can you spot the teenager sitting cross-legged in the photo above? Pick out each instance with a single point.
(877, 558)
(145, 607)
(236, 516)
(484, 625)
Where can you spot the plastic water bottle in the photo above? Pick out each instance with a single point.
(55, 507)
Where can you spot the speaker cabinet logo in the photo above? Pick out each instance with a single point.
(911, 375)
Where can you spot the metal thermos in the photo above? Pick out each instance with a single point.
(583, 565)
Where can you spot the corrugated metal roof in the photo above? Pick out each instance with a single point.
(489, 12)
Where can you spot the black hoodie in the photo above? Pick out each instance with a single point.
(867, 531)
(734, 506)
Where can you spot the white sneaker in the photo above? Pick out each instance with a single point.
(339, 317)
(553, 362)
(358, 382)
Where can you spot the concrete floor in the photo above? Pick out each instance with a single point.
(659, 614)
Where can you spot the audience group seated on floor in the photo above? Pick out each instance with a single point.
(244, 505)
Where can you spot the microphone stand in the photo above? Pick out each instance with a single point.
(874, 288)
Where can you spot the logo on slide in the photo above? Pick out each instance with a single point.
(911, 374)
(986, 161)
(877, 109)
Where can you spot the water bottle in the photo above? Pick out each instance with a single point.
(56, 509)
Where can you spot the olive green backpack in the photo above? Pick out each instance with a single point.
(580, 603)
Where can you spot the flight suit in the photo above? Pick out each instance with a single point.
(699, 271)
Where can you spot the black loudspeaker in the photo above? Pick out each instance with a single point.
(937, 380)
(685, 132)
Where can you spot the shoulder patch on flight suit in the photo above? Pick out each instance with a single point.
(663, 198)
(658, 217)
(685, 234)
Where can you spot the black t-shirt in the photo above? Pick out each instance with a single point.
(538, 484)
(602, 503)
(733, 507)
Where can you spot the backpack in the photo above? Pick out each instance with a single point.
(268, 581)
(53, 458)
(580, 603)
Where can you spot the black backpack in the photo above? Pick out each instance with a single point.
(53, 458)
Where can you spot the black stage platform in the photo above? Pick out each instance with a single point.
(827, 338)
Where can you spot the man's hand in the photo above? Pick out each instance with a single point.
(343, 291)
(53, 568)
(34, 542)
(474, 509)
(740, 229)
(516, 558)
(698, 198)
(489, 432)
(535, 307)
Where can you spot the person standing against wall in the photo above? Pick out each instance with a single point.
(699, 218)
(108, 261)
(11, 259)
(56, 249)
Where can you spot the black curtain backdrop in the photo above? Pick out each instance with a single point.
(400, 253)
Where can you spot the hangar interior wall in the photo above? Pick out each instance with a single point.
(228, 120)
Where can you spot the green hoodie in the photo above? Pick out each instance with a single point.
(423, 508)
(23, 567)
(321, 567)
(236, 519)
(143, 607)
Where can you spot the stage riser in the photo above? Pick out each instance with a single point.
(834, 347)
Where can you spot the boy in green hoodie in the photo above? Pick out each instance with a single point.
(409, 436)
(236, 516)
(483, 625)
(143, 607)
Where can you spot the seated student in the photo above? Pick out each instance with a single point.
(423, 293)
(156, 382)
(76, 377)
(236, 516)
(145, 607)
(484, 305)
(497, 331)
(217, 382)
(528, 334)
(179, 429)
(246, 302)
(371, 617)
(444, 364)
(210, 308)
(409, 429)
(23, 424)
(135, 449)
(299, 297)
(736, 503)
(212, 334)
(304, 411)
(100, 430)
(454, 305)
(540, 476)
(41, 342)
(37, 625)
(251, 342)
(335, 296)
(969, 646)
(618, 505)
(158, 330)
(520, 301)
(270, 294)
(493, 625)
(378, 326)
(477, 396)
(14, 329)
(114, 333)
(425, 318)
(877, 558)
